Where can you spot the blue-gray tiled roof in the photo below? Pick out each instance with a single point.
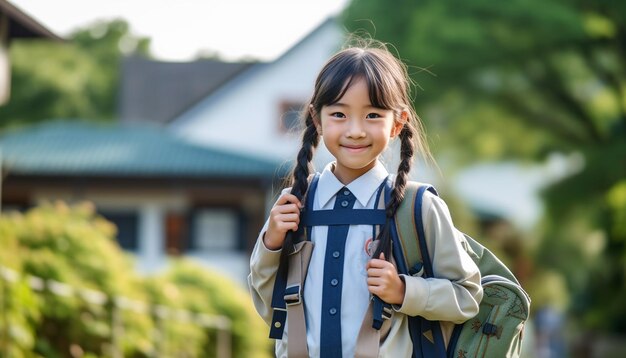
(72, 148)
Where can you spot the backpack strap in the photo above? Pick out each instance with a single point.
(411, 249)
(419, 224)
(279, 306)
(407, 231)
(331, 217)
(298, 265)
(381, 310)
(436, 348)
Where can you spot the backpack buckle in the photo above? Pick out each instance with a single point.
(293, 295)
(387, 311)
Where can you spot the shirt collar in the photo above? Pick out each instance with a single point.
(362, 187)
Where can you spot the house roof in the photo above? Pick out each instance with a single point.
(21, 25)
(73, 148)
(158, 91)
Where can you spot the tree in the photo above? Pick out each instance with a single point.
(76, 79)
(524, 79)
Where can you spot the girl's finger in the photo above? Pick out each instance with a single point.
(286, 226)
(375, 272)
(377, 290)
(288, 198)
(288, 218)
(288, 208)
(377, 263)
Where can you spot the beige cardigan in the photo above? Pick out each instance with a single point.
(453, 296)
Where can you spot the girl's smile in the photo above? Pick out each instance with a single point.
(355, 148)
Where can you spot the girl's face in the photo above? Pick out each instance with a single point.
(355, 132)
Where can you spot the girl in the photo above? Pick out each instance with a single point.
(360, 102)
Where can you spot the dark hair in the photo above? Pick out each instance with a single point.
(389, 88)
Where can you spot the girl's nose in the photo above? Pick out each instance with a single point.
(355, 129)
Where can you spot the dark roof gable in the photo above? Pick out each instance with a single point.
(156, 91)
(22, 25)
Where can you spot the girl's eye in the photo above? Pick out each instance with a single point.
(337, 115)
(373, 115)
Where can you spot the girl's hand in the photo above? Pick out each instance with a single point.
(284, 216)
(383, 281)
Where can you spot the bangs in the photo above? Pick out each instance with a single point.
(341, 71)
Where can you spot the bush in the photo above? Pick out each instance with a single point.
(76, 247)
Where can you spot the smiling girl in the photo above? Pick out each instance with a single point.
(360, 103)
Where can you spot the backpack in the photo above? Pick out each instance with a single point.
(497, 329)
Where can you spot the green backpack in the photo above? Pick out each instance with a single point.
(497, 329)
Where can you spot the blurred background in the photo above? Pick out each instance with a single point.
(142, 144)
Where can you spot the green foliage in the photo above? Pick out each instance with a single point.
(74, 246)
(189, 285)
(74, 79)
(616, 199)
(521, 80)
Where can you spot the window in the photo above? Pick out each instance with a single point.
(215, 229)
(290, 121)
(126, 223)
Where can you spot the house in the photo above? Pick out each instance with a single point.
(166, 196)
(14, 24)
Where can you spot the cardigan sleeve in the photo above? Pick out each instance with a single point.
(263, 268)
(455, 292)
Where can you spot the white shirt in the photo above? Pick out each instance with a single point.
(355, 295)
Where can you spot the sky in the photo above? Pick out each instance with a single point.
(181, 29)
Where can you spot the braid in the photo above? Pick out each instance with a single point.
(406, 157)
(397, 194)
(310, 140)
(300, 182)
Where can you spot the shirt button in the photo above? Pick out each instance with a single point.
(344, 203)
(332, 311)
(336, 254)
(334, 282)
(346, 192)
